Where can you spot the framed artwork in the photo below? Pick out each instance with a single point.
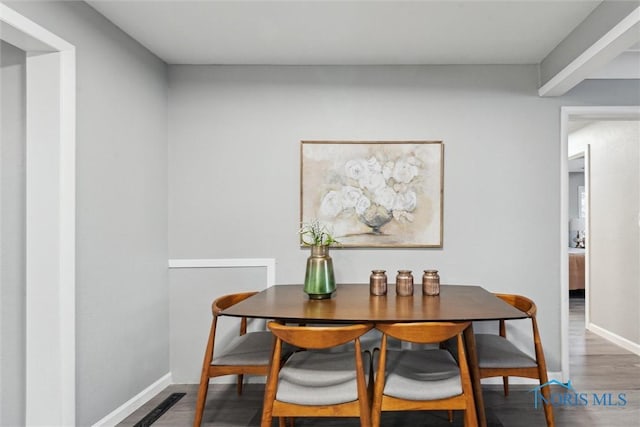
(374, 194)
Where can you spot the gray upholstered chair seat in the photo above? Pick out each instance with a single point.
(495, 351)
(319, 378)
(253, 348)
(422, 375)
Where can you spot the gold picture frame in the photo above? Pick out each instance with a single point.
(374, 193)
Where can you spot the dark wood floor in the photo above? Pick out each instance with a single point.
(596, 367)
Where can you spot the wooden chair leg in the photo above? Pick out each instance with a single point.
(548, 414)
(376, 407)
(542, 374)
(375, 419)
(548, 408)
(505, 385)
(202, 398)
(267, 420)
(365, 419)
(282, 422)
(470, 417)
(450, 415)
(239, 386)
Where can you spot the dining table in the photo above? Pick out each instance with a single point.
(353, 303)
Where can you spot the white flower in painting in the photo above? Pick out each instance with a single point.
(350, 196)
(374, 165)
(404, 171)
(387, 170)
(372, 181)
(356, 169)
(406, 202)
(362, 205)
(400, 187)
(331, 204)
(373, 190)
(403, 216)
(386, 197)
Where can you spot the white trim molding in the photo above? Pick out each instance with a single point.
(567, 114)
(615, 338)
(50, 219)
(268, 263)
(133, 404)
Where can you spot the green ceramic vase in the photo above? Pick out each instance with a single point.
(319, 282)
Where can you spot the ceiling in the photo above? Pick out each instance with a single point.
(348, 32)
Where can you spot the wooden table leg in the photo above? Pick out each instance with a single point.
(474, 371)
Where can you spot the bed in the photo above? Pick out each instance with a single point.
(576, 269)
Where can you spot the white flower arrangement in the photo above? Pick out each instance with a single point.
(315, 233)
(375, 190)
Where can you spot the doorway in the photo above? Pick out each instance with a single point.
(569, 116)
(49, 219)
(578, 204)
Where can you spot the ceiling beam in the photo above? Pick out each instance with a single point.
(26, 35)
(611, 29)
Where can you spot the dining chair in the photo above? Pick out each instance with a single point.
(317, 383)
(247, 353)
(426, 379)
(499, 357)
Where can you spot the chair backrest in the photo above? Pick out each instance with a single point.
(318, 337)
(520, 302)
(227, 301)
(527, 306)
(211, 368)
(423, 332)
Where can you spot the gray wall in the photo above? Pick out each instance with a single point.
(192, 291)
(122, 280)
(614, 234)
(12, 235)
(576, 179)
(234, 135)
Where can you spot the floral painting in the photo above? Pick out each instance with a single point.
(374, 194)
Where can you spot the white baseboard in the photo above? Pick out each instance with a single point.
(130, 406)
(520, 380)
(614, 338)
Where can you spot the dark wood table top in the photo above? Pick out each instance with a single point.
(353, 303)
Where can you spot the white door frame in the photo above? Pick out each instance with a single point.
(50, 219)
(567, 114)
